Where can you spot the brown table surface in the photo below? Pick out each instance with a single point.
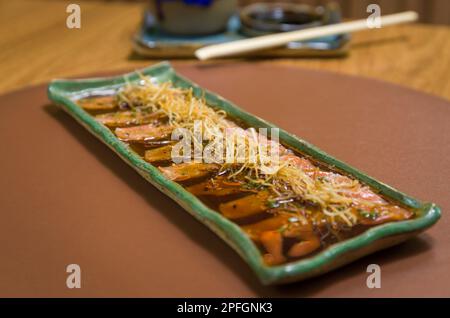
(66, 198)
(36, 46)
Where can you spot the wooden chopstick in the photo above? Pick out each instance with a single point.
(279, 39)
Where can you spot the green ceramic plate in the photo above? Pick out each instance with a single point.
(62, 92)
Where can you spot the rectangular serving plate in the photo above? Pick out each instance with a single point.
(63, 92)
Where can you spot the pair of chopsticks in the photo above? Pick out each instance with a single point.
(279, 39)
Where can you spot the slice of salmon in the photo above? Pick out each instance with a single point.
(383, 215)
(99, 103)
(302, 163)
(271, 233)
(127, 118)
(273, 244)
(363, 193)
(143, 133)
(159, 154)
(246, 206)
(219, 186)
(271, 224)
(188, 171)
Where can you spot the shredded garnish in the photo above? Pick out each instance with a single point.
(286, 179)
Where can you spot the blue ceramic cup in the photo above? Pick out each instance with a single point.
(193, 17)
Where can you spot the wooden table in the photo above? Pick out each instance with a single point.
(36, 46)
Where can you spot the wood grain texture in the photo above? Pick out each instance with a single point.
(36, 46)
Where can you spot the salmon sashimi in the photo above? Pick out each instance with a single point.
(364, 193)
(158, 154)
(304, 164)
(361, 192)
(187, 171)
(370, 208)
(219, 186)
(383, 214)
(246, 206)
(272, 232)
(308, 241)
(290, 204)
(99, 103)
(271, 224)
(143, 133)
(127, 118)
(273, 244)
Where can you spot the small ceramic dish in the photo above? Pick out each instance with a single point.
(193, 17)
(265, 18)
(152, 41)
(64, 92)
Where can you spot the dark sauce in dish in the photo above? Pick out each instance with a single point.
(257, 225)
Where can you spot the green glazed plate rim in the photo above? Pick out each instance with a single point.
(62, 92)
